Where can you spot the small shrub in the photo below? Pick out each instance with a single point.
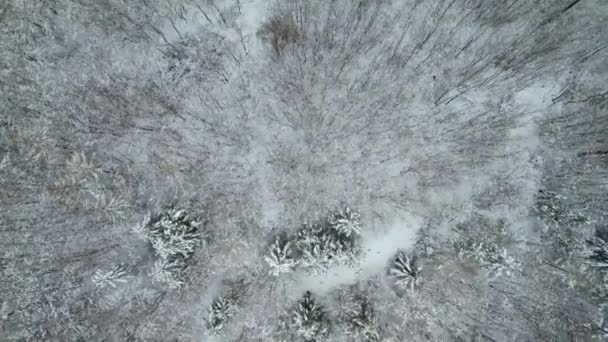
(281, 31)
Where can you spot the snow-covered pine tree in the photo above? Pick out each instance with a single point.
(309, 321)
(364, 322)
(110, 277)
(346, 222)
(552, 207)
(219, 312)
(174, 235)
(405, 270)
(328, 249)
(280, 257)
(597, 253)
(171, 222)
(315, 247)
(482, 240)
(316, 257)
(169, 273)
(308, 236)
(320, 245)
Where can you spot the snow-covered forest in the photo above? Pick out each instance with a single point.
(304, 170)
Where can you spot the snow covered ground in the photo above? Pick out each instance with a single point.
(169, 170)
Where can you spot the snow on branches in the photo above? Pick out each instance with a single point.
(309, 321)
(482, 240)
(220, 311)
(363, 321)
(280, 257)
(325, 248)
(597, 253)
(595, 270)
(553, 209)
(404, 270)
(174, 235)
(318, 245)
(109, 278)
(346, 222)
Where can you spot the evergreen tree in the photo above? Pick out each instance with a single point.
(597, 253)
(346, 222)
(321, 245)
(279, 257)
(405, 270)
(219, 312)
(174, 236)
(309, 321)
(364, 322)
(110, 277)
